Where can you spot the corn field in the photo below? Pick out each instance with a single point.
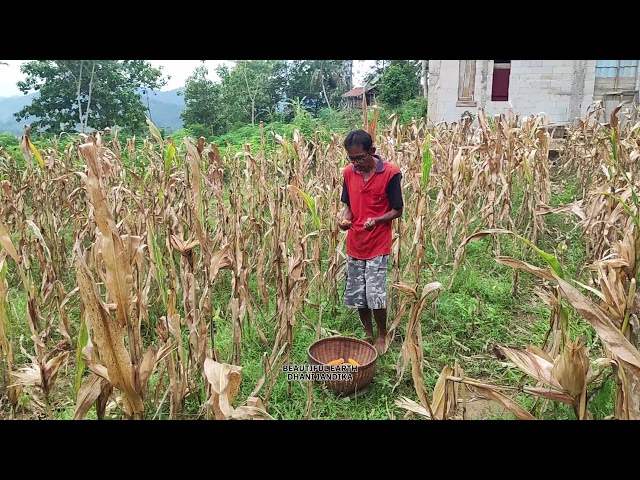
(134, 260)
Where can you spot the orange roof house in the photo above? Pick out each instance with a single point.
(353, 97)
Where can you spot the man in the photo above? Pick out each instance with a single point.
(372, 199)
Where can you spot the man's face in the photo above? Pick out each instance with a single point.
(362, 159)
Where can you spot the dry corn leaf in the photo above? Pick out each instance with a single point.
(147, 365)
(95, 367)
(611, 336)
(442, 410)
(109, 336)
(52, 367)
(4, 318)
(119, 275)
(412, 406)
(14, 392)
(220, 260)
(550, 393)
(541, 353)
(571, 367)
(41, 374)
(533, 365)
(7, 244)
(527, 267)
(247, 412)
(183, 246)
(88, 393)
(508, 403)
(225, 384)
(404, 288)
(27, 376)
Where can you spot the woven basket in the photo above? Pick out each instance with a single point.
(327, 349)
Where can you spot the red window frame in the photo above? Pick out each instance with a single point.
(501, 75)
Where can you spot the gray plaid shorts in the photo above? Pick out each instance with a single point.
(366, 282)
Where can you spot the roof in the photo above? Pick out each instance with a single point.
(354, 92)
(357, 91)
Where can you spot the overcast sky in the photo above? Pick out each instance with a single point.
(179, 70)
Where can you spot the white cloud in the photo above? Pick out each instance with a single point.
(9, 76)
(180, 70)
(360, 69)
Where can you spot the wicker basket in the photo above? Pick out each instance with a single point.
(327, 349)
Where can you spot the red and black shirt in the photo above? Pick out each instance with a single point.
(372, 199)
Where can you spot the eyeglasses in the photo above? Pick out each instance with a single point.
(357, 159)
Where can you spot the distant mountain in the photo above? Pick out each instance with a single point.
(164, 110)
(10, 105)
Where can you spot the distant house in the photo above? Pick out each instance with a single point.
(563, 89)
(353, 98)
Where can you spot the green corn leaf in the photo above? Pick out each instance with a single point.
(4, 317)
(311, 204)
(625, 206)
(157, 259)
(156, 133)
(427, 162)
(550, 259)
(169, 159)
(527, 170)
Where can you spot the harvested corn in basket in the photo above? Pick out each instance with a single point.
(353, 352)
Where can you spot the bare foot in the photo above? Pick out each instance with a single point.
(381, 345)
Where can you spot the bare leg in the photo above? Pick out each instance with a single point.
(365, 318)
(380, 316)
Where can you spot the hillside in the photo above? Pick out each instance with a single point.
(164, 110)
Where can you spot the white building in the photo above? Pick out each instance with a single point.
(563, 89)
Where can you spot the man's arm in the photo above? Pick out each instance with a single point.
(386, 218)
(346, 215)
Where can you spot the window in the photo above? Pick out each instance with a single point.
(615, 76)
(501, 74)
(466, 83)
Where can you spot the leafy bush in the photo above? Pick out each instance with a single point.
(198, 130)
(401, 82)
(414, 108)
(339, 121)
(8, 140)
(236, 139)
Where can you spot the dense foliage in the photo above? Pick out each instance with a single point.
(83, 94)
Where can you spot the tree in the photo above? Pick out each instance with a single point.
(425, 78)
(319, 82)
(88, 93)
(249, 90)
(401, 82)
(376, 72)
(202, 101)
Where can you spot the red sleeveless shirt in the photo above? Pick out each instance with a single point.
(369, 200)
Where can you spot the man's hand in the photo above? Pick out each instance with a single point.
(369, 224)
(344, 224)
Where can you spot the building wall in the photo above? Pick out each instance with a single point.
(563, 89)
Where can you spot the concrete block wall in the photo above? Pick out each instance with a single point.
(563, 89)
